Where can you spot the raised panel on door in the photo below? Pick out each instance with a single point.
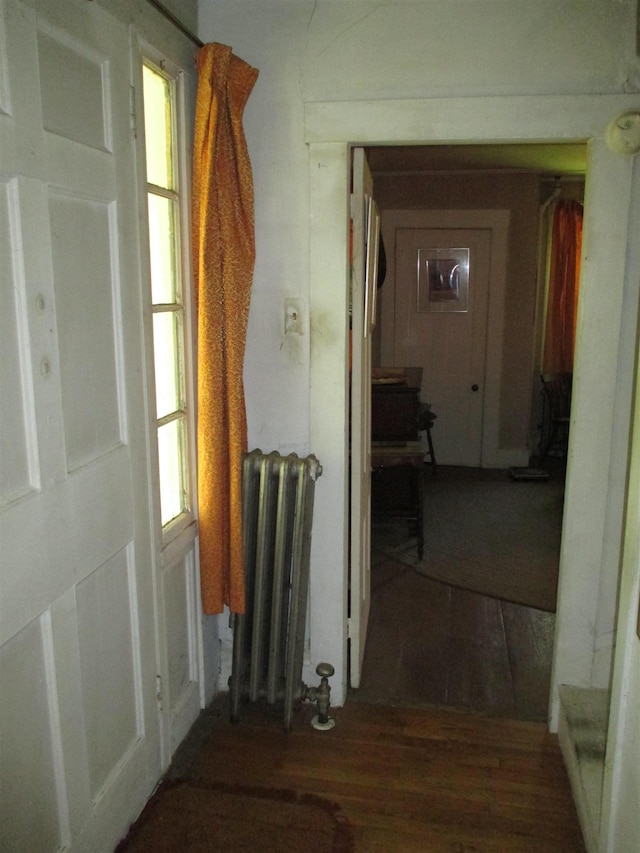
(29, 756)
(109, 668)
(87, 305)
(181, 693)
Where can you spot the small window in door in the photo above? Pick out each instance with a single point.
(167, 303)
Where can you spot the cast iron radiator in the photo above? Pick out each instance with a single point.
(268, 639)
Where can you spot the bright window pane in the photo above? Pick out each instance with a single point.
(168, 314)
(162, 245)
(166, 350)
(157, 128)
(171, 453)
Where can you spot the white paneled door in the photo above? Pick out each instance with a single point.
(80, 743)
(450, 344)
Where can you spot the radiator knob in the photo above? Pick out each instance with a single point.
(321, 694)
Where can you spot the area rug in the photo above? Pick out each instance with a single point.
(485, 532)
(194, 818)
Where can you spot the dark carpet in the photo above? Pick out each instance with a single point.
(487, 533)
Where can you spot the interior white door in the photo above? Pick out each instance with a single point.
(360, 526)
(79, 722)
(449, 345)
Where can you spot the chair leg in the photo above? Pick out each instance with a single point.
(432, 455)
(549, 444)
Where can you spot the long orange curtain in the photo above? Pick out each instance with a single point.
(224, 255)
(564, 276)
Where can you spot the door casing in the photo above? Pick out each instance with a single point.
(497, 222)
(330, 127)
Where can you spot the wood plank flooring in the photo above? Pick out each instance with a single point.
(444, 747)
(415, 780)
(430, 643)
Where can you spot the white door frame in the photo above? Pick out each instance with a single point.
(181, 677)
(329, 129)
(360, 479)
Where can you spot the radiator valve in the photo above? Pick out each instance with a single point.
(321, 694)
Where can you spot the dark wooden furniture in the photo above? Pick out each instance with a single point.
(395, 407)
(557, 414)
(397, 484)
(397, 455)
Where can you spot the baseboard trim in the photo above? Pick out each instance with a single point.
(581, 735)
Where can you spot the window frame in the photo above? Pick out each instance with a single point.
(174, 534)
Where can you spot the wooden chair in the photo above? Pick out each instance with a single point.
(557, 391)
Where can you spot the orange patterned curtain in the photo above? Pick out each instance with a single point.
(564, 276)
(223, 261)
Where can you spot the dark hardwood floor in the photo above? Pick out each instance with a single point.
(407, 780)
(443, 748)
(430, 643)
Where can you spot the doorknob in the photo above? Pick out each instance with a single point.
(474, 387)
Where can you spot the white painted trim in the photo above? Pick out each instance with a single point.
(589, 830)
(539, 118)
(328, 433)
(528, 118)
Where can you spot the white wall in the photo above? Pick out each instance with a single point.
(444, 70)
(186, 11)
(620, 829)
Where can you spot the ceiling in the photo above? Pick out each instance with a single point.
(554, 160)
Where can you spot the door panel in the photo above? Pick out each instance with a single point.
(449, 345)
(109, 667)
(87, 307)
(181, 676)
(28, 753)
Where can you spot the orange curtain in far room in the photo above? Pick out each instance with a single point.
(223, 262)
(564, 276)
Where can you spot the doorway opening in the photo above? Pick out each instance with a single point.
(498, 650)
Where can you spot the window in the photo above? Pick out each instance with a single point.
(167, 303)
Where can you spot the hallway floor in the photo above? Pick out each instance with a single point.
(433, 644)
(406, 780)
(442, 748)
(429, 643)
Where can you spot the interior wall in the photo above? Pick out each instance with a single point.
(363, 51)
(335, 51)
(550, 69)
(186, 11)
(519, 194)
